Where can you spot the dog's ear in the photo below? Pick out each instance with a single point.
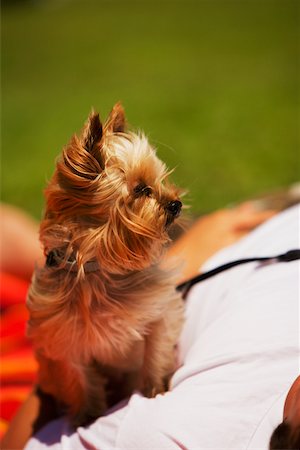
(91, 137)
(82, 159)
(116, 121)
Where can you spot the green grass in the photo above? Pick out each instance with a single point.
(214, 84)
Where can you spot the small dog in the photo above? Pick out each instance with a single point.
(104, 313)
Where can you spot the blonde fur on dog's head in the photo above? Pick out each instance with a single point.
(108, 198)
(103, 305)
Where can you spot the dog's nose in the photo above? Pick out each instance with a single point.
(174, 208)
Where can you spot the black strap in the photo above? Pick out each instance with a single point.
(291, 255)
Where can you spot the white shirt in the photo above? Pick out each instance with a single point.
(239, 355)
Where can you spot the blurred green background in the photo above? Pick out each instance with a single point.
(214, 84)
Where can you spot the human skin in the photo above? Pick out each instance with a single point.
(19, 244)
(291, 412)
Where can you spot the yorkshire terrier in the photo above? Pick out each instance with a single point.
(104, 313)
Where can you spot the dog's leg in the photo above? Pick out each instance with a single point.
(79, 390)
(94, 403)
(61, 380)
(159, 360)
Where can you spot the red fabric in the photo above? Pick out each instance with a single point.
(13, 290)
(18, 366)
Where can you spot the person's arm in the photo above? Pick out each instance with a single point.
(37, 410)
(19, 244)
(21, 427)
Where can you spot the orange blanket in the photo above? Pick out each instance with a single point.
(18, 366)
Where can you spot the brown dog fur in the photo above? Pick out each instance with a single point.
(99, 334)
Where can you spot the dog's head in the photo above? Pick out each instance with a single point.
(109, 199)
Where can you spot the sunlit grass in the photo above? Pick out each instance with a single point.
(212, 83)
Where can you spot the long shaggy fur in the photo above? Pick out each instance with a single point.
(100, 334)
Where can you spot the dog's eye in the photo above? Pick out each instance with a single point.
(142, 189)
